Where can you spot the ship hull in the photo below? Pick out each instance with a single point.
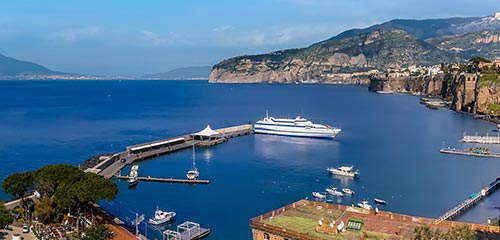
(295, 131)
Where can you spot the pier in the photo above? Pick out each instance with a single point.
(481, 139)
(205, 138)
(469, 153)
(469, 202)
(169, 180)
(186, 231)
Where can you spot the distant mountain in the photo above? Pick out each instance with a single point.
(13, 67)
(354, 53)
(183, 73)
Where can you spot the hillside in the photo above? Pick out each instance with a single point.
(484, 43)
(351, 56)
(183, 73)
(13, 67)
(322, 62)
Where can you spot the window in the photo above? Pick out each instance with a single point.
(266, 236)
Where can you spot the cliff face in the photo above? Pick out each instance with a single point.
(332, 61)
(417, 85)
(488, 97)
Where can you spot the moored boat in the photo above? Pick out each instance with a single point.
(297, 127)
(334, 192)
(379, 201)
(318, 195)
(348, 191)
(344, 171)
(133, 175)
(193, 173)
(161, 217)
(365, 205)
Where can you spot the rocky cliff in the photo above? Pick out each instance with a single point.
(332, 61)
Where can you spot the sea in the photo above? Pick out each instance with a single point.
(392, 139)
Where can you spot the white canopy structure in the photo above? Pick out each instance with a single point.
(207, 132)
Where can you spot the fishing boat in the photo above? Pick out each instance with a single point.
(343, 171)
(379, 201)
(161, 217)
(334, 192)
(348, 191)
(133, 175)
(365, 205)
(318, 195)
(193, 173)
(297, 127)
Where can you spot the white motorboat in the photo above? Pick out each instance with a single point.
(365, 205)
(161, 217)
(379, 201)
(133, 175)
(193, 173)
(334, 192)
(318, 195)
(344, 171)
(298, 127)
(348, 191)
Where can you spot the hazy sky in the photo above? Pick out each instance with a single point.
(131, 37)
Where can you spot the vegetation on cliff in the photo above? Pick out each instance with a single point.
(5, 217)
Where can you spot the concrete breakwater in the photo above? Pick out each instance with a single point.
(117, 161)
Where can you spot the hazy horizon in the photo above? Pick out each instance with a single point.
(132, 39)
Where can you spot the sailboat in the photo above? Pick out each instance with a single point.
(193, 173)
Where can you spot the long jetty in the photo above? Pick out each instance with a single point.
(170, 180)
(111, 166)
(469, 153)
(469, 202)
(481, 139)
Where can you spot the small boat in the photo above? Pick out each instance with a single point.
(318, 195)
(348, 191)
(334, 192)
(133, 175)
(193, 173)
(365, 205)
(380, 201)
(343, 171)
(498, 126)
(161, 217)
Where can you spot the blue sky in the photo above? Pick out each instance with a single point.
(130, 37)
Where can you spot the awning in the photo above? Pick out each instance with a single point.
(207, 132)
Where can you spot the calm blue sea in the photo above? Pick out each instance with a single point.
(393, 140)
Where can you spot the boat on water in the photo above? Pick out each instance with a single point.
(348, 191)
(193, 173)
(133, 175)
(379, 201)
(297, 127)
(498, 126)
(161, 217)
(318, 195)
(334, 192)
(365, 205)
(344, 171)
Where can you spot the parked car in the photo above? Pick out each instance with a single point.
(122, 160)
(25, 228)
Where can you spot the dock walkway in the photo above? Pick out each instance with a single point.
(170, 180)
(481, 139)
(469, 202)
(468, 153)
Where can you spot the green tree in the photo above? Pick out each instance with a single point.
(18, 183)
(5, 217)
(98, 232)
(44, 210)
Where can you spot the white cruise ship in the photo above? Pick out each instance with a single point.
(298, 127)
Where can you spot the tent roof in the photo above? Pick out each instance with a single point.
(207, 132)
